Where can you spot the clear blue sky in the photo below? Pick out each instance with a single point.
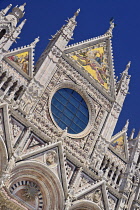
(45, 17)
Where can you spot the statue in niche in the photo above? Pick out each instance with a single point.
(51, 158)
(97, 196)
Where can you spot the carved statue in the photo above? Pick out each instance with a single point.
(51, 158)
(96, 196)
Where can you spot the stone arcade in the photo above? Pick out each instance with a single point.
(57, 119)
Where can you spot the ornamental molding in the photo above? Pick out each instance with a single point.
(88, 101)
(8, 203)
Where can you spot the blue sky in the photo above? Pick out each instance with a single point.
(45, 17)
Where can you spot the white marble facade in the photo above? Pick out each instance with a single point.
(44, 165)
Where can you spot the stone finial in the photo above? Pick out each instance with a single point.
(77, 12)
(22, 7)
(4, 11)
(75, 15)
(35, 41)
(110, 30)
(22, 24)
(126, 125)
(132, 134)
(65, 132)
(127, 67)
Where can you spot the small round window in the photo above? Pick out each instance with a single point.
(69, 110)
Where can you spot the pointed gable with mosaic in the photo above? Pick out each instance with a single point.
(94, 61)
(119, 144)
(22, 59)
(94, 58)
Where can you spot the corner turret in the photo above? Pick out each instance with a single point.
(16, 14)
(9, 30)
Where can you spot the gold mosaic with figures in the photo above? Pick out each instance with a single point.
(118, 145)
(94, 61)
(21, 61)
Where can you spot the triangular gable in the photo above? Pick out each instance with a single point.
(50, 156)
(119, 145)
(70, 168)
(5, 128)
(21, 60)
(17, 130)
(83, 182)
(33, 143)
(94, 58)
(96, 193)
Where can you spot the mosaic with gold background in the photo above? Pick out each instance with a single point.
(118, 145)
(94, 61)
(21, 60)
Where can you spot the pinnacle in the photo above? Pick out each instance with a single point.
(77, 12)
(35, 41)
(4, 11)
(22, 7)
(75, 15)
(126, 125)
(127, 67)
(132, 134)
(110, 30)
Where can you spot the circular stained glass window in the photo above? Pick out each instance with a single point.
(69, 110)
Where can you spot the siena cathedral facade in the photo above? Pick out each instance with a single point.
(57, 118)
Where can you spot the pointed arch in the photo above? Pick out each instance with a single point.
(84, 205)
(2, 33)
(47, 182)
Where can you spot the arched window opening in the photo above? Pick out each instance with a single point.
(12, 88)
(5, 85)
(17, 94)
(2, 33)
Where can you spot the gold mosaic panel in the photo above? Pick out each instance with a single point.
(118, 145)
(94, 61)
(21, 61)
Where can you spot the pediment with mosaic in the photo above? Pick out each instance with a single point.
(118, 146)
(94, 60)
(20, 61)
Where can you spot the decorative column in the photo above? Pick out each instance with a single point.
(113, 171)
(11, 96)
(7, 89)
(108, 169)
(104, 163)
(3, 81)
(117, 174)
